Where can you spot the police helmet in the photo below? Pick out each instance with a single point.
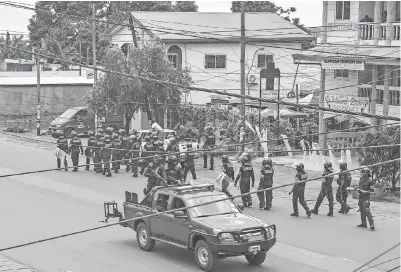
(132, 137)
(109, 129)
(328, 166)
(343, 165)
(224, 158)
(60, 133)
(74, 134)
(299, 166)
(365, 170)
(157, 159)
(155, 137)
(172, 158)
(245, 159)
(147, 138)
(91, 133)
(121, 131)
(267, 161)
(100, 130)
(172, 139)
(106, 138)
(132, 132)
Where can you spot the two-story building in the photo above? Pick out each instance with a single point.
(360, 57)
(209, 44)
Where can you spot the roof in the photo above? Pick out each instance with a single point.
(369, 54)
(192, 26)
(18, 81)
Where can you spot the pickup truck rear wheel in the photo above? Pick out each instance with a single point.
(256, 259)
(143, 238)
(204, 257)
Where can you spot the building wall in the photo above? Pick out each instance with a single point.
(21, 100)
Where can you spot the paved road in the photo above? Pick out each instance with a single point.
(41, 205)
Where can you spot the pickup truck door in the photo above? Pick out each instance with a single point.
(158, 223)
(177, 229)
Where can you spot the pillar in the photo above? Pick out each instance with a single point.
(391, 13)
(377, 20)
(373, 95)
(322, 122)
(386, 91)
(324, 22)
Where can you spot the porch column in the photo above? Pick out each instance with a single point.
(378, 18)
(322, 122)
(373, 95)
(324, 22)
(391, 13)
(386, 91)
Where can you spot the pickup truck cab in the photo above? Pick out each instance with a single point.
(82, 121)
(212, 231)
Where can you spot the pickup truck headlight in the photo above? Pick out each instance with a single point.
(227, 238)
(269, 233)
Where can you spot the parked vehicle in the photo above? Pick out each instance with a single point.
(212, 231)
(82, 121)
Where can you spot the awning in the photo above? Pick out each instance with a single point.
(369, 54)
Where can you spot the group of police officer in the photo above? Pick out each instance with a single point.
(165, 166)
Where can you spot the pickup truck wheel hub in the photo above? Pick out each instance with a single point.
(203, 256)
(143, 237)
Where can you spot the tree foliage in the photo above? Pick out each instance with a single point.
(125, 96)
(387, 173)
(267, 6)
(17, 42)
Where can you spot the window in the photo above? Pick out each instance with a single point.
(343, 10)
(215, 61)
(162, 201)
(177, 204)
(341, 73)
(263, 60)
(379, 96)
(394, 98)
(173, 58)
(216, 208)
(82, 114)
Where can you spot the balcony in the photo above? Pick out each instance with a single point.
(367, 31)
(365, 90)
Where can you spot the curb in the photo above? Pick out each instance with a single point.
(9, 265)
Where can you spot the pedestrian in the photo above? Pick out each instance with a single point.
(245, 175)
(75, 147)
(97, 152)
(365, 189)
(158, 129)
(62, 144)
(135, 149)
(227, 166)
(156, 174)
(89, 148)
(298, 191)
(210, 143)
(266, 181)
(173, 171)
(106, 155)
(326, 190)
(116, 153)
(189, 163)
(344, 181)
(147, 153)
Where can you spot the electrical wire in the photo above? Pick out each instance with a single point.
(377, 257)
(394, 268)
(382, 263)
(185, 208)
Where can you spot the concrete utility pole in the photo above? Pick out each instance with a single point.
(243, 63)
(94, 55)
(38, 92)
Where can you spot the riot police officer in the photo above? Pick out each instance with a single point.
(298, 191)
(228, 168)
(210, 142)
(266, 181)
(75, 146)
(147, 153)
(116, 153)
(89, 148)
(106, 155)
(173, 171)
(156, 174)
(109, 131)
(245, 175)
(97, 151)
(326, 190)
(365, 188)
(344, 181)
(135, 149)
(62, 144)
(189, 163)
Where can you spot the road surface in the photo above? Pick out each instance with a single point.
(40, 205)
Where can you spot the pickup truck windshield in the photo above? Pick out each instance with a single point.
(222, 207)
(68, 113)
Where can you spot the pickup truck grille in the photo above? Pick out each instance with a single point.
(252, 235)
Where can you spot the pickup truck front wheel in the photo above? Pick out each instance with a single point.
(256, 259)
(204, 257)
(143, 238)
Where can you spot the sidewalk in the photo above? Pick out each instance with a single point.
(8, 265)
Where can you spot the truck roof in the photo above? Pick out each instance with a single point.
(191, 191)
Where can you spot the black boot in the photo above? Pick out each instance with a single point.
(87, 162)
(108, 173)
(116, 170)
(315, 211)
(308, 213)
(330, 210)
(135, 175)
(75, 169)
(127, 169)
(295, 207)
(294, 214)
(362, 225)
(372, 227)
(65, 167)
(104, 171)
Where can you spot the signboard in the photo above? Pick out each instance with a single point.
(347, 103)
(343, 65)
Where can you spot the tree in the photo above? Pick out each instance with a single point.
(267, 6)
(17, 42)
(123, 95)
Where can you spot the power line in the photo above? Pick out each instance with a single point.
(380, 264)
(377, 257)
(186, 208)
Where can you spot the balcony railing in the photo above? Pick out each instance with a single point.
(367, 31)
(394, 98)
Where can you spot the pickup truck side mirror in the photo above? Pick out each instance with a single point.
(241, 207)
(180, 215)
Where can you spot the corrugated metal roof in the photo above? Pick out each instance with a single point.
(201, 25)
(15, 81)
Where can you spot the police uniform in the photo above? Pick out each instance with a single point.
(245, 175)
(298, 192)
(174, 174)
(326, 191)
(97, 154)
(135, 149)
(344, 181)
(189, 165)
(116, 154)
(62, 144)
(365, 184)
(89, 149)
(75, 147)
(124, 139)
(153, 172)
(106, 155)
(209, 143)
(266, 181)
(148, 151)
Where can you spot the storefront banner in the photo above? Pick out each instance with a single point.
(347, 103)
(343, 65)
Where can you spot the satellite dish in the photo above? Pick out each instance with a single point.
(252, 79)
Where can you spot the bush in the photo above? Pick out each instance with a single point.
(385, 175)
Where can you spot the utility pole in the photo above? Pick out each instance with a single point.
(38, 92)
(243, 65)
(80, 58)
(297, 97)
(87, 56)
(94, 55)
